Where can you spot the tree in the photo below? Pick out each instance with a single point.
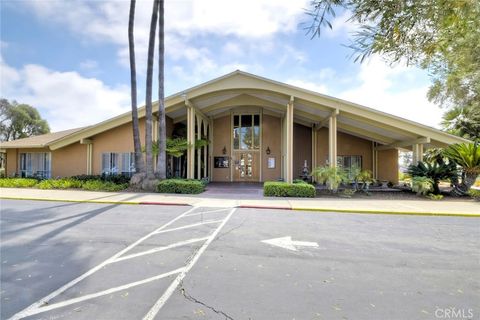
(438, 35)
(464, 122)
(139, 164)
(162, 136)
(467, 156)
(20, 121)
(148, 95)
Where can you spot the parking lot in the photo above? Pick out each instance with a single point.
(106, 261)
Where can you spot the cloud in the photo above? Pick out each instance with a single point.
(320, 88)
(398, 90)
(66, 99)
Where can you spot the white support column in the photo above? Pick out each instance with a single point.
(199, 152)
(210, 149)
(205, 164)
(332, 139)
(314, 150)
(191, 142)
(289, 144)
(417, 153)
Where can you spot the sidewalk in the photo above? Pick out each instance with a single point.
(418, 207)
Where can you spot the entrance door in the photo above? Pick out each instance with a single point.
(246, 166)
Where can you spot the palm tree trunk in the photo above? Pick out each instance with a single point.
(162, 137)
(148, 95)
(139, 164)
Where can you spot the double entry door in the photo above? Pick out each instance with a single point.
(246, 166)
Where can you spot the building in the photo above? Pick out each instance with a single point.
(258, 130)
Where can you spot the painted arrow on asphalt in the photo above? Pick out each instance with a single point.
(289, 244)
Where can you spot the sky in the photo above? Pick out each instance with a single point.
(69, 59)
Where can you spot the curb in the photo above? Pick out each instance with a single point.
(99, 201)
(413, 213)
(246, 206)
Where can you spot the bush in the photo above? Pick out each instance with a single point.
(284, 189)
(115, 178)
(332, 176)
(182, 186)
(66, 183)
(435, 196)
(99, 185)
(422, 185)
(475, 194)
(17, 183)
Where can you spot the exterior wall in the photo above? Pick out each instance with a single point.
(11, 165)
(388, 165)
(118, 140)
(302, 149)
(347, 145)
(271, 138)
(221, 138)
(69, 161)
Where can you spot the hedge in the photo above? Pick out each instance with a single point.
(64, 183)
(17, 183)
(475, 194)
(181, 186)
(284, 189)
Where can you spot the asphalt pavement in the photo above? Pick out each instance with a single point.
(113, 261)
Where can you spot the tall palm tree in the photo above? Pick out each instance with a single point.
(148, 95)
(162, 136)
(139, 164)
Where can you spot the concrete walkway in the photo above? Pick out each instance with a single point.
(420, 207)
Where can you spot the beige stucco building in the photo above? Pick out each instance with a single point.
(258, 130)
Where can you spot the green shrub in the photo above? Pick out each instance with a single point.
(182, 186)
(115, 178)
(422, 185)
(434, 196)
(17, 182)
(332, 176)
(474, 193)
(284, 189)
(99, 185)
(348, 193)
(65, 183)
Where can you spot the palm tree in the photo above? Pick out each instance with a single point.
(148, 95)
(139, 164)
(467, 156)
(162, 137)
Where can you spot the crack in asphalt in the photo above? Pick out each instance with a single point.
(195, 300)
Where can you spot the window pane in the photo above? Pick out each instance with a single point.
(246, 138)
(236, 121)
(256, 120)
(246, 120)
(105, 162)
(256, 137)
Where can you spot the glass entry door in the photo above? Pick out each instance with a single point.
(245, 166)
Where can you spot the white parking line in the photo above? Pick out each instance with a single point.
(167, 294)
(203, 212)
(37, 305)
(190, 226)
(102, 293)
(158, 249)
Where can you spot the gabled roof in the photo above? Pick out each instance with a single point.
(243, 82)
(40, 141)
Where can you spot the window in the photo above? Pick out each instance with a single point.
(118, 163)
(246, 132)
(128, 163)
(35, 164)
(349, 162)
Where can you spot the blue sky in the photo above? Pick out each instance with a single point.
(70, 58)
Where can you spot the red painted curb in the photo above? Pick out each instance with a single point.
(154, 203)
(262, 207)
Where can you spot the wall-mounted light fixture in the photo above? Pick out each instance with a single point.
(268, 150)
(224, 150)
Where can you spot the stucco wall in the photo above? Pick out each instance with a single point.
(69, 161)
(302, 149)
(11, 162)
(388, 165)
(271, 138)
(221, 138)
(347, 145)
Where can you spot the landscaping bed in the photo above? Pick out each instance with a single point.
(90, 183)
